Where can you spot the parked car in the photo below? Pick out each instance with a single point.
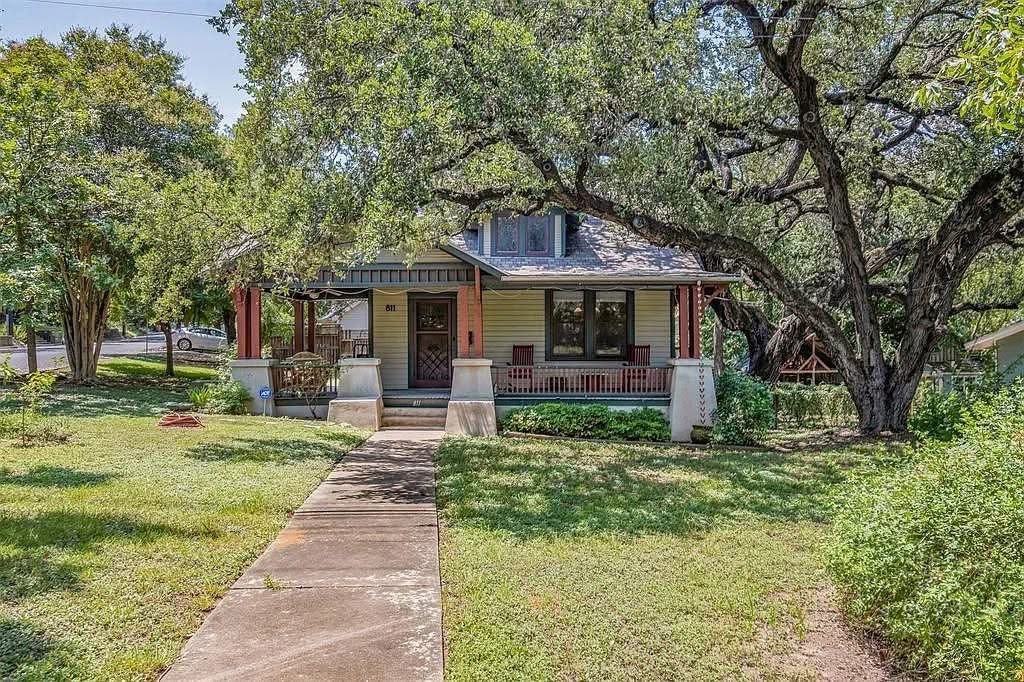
(199, 338)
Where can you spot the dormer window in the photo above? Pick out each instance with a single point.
(524, 235)
(538, 236)
(507, 238)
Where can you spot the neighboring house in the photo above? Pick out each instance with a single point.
(519, 310)
(350, 315)
(1008, 344)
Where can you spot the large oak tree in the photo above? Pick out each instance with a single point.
(786, 140)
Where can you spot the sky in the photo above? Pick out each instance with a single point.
(212, 59)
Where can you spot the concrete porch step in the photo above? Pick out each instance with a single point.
(415, 411)
(426, 421)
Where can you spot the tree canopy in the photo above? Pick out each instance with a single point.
(91, 128)
(784, 140)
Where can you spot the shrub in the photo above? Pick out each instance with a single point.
(20, 413)
(937, 415)
(931, 557)
(745, 410)
(588, 421)
(821, 405)
(228, 397)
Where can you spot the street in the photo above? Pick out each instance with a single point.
(52, 356)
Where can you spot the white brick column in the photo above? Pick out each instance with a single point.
(360, 400)
(693, 401)
(471, 407)
(255, 374)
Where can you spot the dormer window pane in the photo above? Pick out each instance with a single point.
(537, 236)
(508, 236)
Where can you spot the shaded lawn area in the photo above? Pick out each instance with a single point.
(567, 560)
(113, 546)
(129, 387)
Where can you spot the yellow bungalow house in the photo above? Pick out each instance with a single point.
(518, 310)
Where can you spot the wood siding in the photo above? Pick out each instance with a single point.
(391, 337)
(513, 318)
(652, 310)
(517, 317)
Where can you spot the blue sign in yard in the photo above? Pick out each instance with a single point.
(265, 393)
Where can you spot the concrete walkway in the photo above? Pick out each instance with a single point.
(349, 590)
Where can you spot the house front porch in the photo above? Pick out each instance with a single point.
(477, 349)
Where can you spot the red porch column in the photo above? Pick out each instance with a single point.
(683, 307)
(690, 300)
(248, 311)
(299, 328)
(470, 322)
(311, 327)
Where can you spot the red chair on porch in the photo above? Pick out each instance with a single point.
(520, 370)
(638, 356)
(637, 377)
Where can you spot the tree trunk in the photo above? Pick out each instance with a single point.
(228, 315)
(30, 341)
(718, 348)
(165, 327)
(883, 407)
(84, 318)
(769, 346)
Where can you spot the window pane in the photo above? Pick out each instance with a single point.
(610, 328)
(431, 316)
(567, 323)
(537, 235)
(508, 235)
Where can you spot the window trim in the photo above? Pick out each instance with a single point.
(589, 329)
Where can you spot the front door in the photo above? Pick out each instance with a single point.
(433, 331)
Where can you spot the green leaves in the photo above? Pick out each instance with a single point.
(991, 69)
(93, 127)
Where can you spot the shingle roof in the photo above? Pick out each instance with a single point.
(596, 250)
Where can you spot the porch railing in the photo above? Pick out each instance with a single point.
(330, 343)
(304, 380)
(586, 381)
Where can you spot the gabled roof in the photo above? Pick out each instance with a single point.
(991, 339)
(596, 251)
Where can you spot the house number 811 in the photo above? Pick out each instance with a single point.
(390, 308)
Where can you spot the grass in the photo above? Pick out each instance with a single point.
(113, 547)
(139, 368)
(566, 560)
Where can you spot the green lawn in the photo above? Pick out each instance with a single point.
(145, 368)
(574, 561)
(113, 546)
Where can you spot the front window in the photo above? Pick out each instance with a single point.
(610, 326)
(589, 325)
(508, 235)
(567, 324)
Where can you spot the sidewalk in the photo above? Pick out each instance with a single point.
(350, 588)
